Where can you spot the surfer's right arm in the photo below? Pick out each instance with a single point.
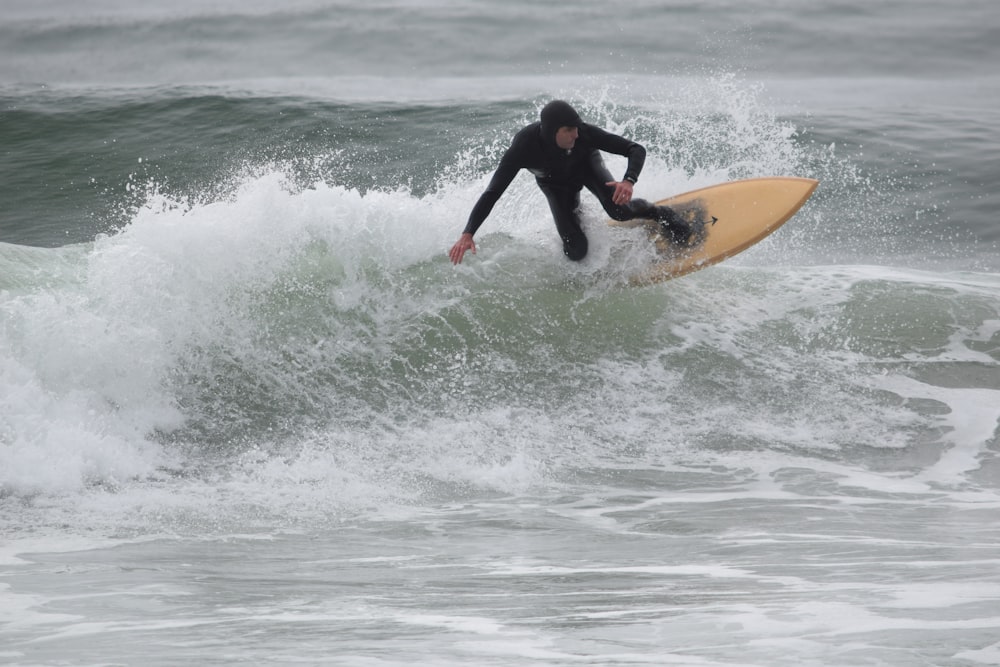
(502, 178)
(463, 244)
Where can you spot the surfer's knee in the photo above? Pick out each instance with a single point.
(620, 213)
(575, 248)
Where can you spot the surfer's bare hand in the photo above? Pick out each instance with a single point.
(457, 251)
(622, 193)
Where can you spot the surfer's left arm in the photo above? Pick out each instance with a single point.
(634, 152)
(623, 191)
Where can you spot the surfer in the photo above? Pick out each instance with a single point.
(564, 154)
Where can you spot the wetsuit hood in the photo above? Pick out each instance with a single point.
(558, 114)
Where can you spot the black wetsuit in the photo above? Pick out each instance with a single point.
(562, 174)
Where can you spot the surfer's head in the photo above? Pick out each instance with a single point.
(560, 123)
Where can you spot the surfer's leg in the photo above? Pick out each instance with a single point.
(564, 204)
(597, 182)
(672, 225)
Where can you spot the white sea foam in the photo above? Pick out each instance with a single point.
(280, 410)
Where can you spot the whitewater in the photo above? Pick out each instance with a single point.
(250, 412)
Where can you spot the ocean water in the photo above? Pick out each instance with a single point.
(250, 413)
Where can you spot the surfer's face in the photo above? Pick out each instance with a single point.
(566, 137)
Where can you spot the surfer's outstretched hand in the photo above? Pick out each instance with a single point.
(457, 251)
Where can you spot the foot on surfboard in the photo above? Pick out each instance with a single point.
(674, 228)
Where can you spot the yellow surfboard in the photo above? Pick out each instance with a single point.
(727, 219)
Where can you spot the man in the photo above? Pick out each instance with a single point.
(564, 155)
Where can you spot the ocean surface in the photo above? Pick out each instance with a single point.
(251, 414)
